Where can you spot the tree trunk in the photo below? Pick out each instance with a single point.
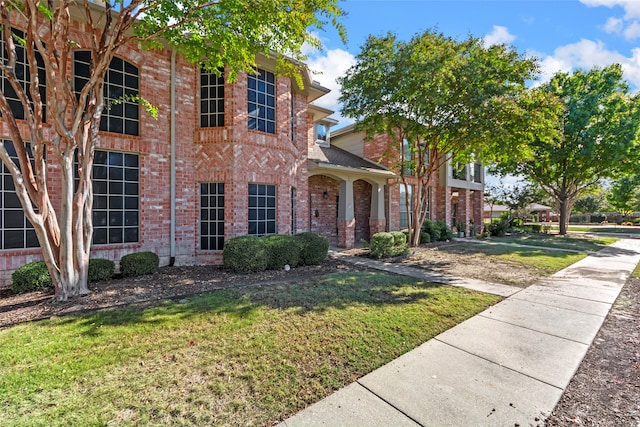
(565, 209)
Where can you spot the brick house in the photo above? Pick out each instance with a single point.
(221, 160)
(366, 176)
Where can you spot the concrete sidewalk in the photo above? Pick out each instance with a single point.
(506, 366)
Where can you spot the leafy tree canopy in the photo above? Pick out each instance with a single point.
(598, 136)
(439, 98)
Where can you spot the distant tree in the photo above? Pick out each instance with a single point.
(517, 197)
(624, 195)
(212, 34)
(440, 99)
(590, 203)
(598, 136)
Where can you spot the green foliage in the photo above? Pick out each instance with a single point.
(245, 254)
(139, 264)
(100, 269)
(498, 228)
(313, 248)
(432, 229)
(598, 130)
(31, 277)
(624, 195)
(283, 249)
(448, 99)
(399, 238)
(425, 237)
(388, 244)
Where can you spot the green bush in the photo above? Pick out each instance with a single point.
(313, 248)
(445, 231)
(498, 228)
(399, 238)
(425, 237)
(384, 245)
(31, 277)
(532, 228)
(245, 254)
(432, 229)
(283, 250)
(139, 264)
(100, 269)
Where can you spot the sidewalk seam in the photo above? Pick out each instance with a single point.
(390, 404)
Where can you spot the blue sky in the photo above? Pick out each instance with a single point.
(563, 34)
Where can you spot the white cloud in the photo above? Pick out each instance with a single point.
(499, 35)
(586, 54)
(631, 7)
(326, 67)
(613, 26)
(632, 32)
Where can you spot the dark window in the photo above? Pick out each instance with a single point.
(262, 101)
(405, 209)
(23, 75)
(121, 89)
(211, 99)
(212, 216)
(262, 209)
(116, 197)
(16, 232)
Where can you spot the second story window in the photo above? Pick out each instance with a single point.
(321, 134)
(22, 71)
(211, 99)
(121, 88)
(262, 101)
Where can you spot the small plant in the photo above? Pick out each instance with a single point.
(283, 250)
(31, 277)
(100, 269)
(139, 264)
(313, 248)
(498, 228)
(384, 244)
(245, 254)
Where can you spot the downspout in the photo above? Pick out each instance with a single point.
(172, 113)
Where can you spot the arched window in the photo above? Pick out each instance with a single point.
(121, 90)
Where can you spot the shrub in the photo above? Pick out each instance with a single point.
(283, 250)
(425, 237)
(245, 254)
(498, 228)
(139, 263)
(432, 229)
(445, 231)
(384, 244)
(532, 228)
(313, 248)
(399, 238)
(31, 277)
(100, 269)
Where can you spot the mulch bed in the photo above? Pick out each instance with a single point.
(605, 390)
(167, 283)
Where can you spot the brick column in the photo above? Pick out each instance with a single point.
(478, 211)
(377, 220)
(464, 209)
(346, 218)
(443, 204)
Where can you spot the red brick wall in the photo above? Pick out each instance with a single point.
(232, 154)
(362, 210)
(325, 222)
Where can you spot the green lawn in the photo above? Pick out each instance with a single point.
(558, 242)
(617, 229)
(544, 261)
(237, 357)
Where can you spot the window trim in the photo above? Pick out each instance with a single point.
(219, 238)
(215, 84)
(265, 208)
(257, 119)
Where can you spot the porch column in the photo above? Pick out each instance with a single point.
(377, 220)
(478, 211)
(465, 210)
(346, 218)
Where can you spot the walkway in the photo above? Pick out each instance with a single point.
(506, 366)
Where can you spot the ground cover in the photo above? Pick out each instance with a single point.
(504, 264)
(248, 355)
(576, 243)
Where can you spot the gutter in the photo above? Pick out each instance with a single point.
(172, 196)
